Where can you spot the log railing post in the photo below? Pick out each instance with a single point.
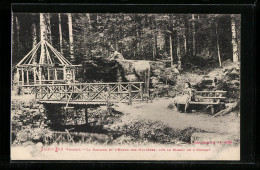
(141, 91)
(120, 91)
(66, 91)
(36, 91)
(40, 92)
(109, 92)
(129, 93)
(88, 94)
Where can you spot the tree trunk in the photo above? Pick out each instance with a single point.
(185, 42)
(153, 52)
(34, 35)
(186, 36)
(71, 37)
(155, 44)
(234, 39)
(12, 31)
(178, 49)
(48, 28)
(42, 37)
(18, 35)
(160, 42)
(138, 43)
(193, 36)
(85, 34)
(60, 34)
(155, 40)
(210, 44)
(171, 50)
(116, 44)
(219, 58)
(34, 38)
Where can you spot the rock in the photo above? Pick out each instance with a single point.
(19, 112)
(170, 106)
(171, 93)
(154, 80)
(35, 106)
(39, 145)
(42, 110)
(131, 77)
(227, 62)
(33, 110)
(26, 109)
(28, 143)
(141, 66)
(175, 70)
(26, 105)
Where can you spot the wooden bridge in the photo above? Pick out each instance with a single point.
(88, 93)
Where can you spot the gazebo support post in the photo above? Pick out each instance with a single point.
(73, 74)
(48, 72)
(64, 73)
(40, 75)
(55, 73)
(34, 74)
(27, 76)
(18, 75)
(22, 77)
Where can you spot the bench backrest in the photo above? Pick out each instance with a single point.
(209, 96)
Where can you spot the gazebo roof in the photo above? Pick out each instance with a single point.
(44, 54)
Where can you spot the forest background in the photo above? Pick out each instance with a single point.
(181, 39)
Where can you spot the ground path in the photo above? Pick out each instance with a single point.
(157, 111)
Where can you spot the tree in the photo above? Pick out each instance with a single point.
(48, 28)
(193, 35)
(42, 37)
(178, 48)
(18, 34)
(60, 34)
(87, 27)
(12, 32)
(234, 39)
(171, 55)
(136, 36)
(155, 51)
(217, 39)
(71, 43)
(34, 35)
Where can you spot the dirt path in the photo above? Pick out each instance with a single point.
(157, 111)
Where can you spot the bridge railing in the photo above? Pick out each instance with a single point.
(88, 92)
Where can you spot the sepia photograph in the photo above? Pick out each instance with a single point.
(125, 86)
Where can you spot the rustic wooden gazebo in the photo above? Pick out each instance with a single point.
(44, 65)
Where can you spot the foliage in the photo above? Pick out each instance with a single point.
(135, 36)
(145, 130)
(29, 123)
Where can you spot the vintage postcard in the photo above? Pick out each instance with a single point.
(125, 86)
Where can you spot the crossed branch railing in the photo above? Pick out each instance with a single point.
(88, 92)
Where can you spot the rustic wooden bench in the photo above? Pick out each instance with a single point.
(212, 99)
